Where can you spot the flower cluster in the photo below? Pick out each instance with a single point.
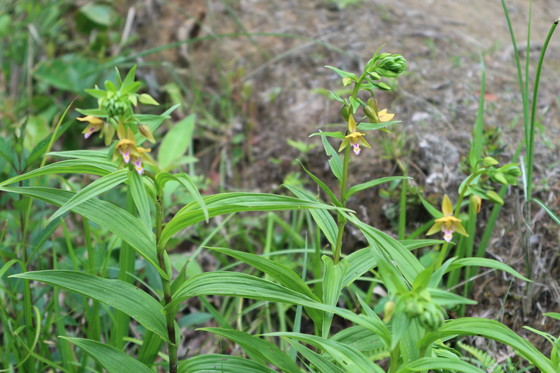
(115, 114)
(384, 65)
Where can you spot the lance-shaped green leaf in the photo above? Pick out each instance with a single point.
(186, 181)
(217, 363)
(485, 262)
(430, 363)
(359, 262)
(322, 185)
(176, 142)
(323, 364)
(350, 359)
(372, 183)
(334, 159)
(226, 203)
(140, 198)
(72, 166)
(277, 271)
(247, 286)
(94, 189)
(115, 219)
(333, 282)
(116, 293)
(490, 329)
(85, 154)
(322, 218)
(258, 348)
(406, 262)
(113, 360)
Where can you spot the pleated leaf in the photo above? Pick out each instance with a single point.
(247, 286)
(116, 293)
(217, 363)
(71, 166)
(113, 360)
(490, 329)
(115, 219)
(430, 363)
(322, 218)
(489, 263)
(372, 183)
(277, 271)
(333, 277)
(186, 181)
(226, 203)
(258, 348)
(140, 198)
(359, 262)
(94, 189)
(319, 361)
(350, 359)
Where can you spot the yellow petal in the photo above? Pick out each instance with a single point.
(363, 142)
(434, 229)
(461, 230)
(344, 144)
(351, 124)
(91, 120)
(384, 116)
(447, 206)
(121, 131)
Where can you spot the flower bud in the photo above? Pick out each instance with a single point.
(489, 161)
(147, 133)
(345, 112)
(476, 202)
(146, 99)
(494, 197)
(371, 114)
(499, 177)
(388, 311)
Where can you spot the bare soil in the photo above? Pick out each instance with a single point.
(282, 47)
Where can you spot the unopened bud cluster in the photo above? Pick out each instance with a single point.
(420, 306)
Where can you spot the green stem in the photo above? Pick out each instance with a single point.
(166, 284)
(94, 330)
(402, 202)
(341, 220)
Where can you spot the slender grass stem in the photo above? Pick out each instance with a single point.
(531, 140)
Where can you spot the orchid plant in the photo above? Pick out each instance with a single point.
(406, 331)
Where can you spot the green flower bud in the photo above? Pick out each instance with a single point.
(499, 177)
(489, 161)
(373, 75)
(371, 114)
(345, 112)
(494, 197)
(388, 311)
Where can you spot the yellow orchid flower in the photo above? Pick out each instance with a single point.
(129, 150)
(384, 116)
(354, 137)
(448, 223)
(377, 116)
(95, 124)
